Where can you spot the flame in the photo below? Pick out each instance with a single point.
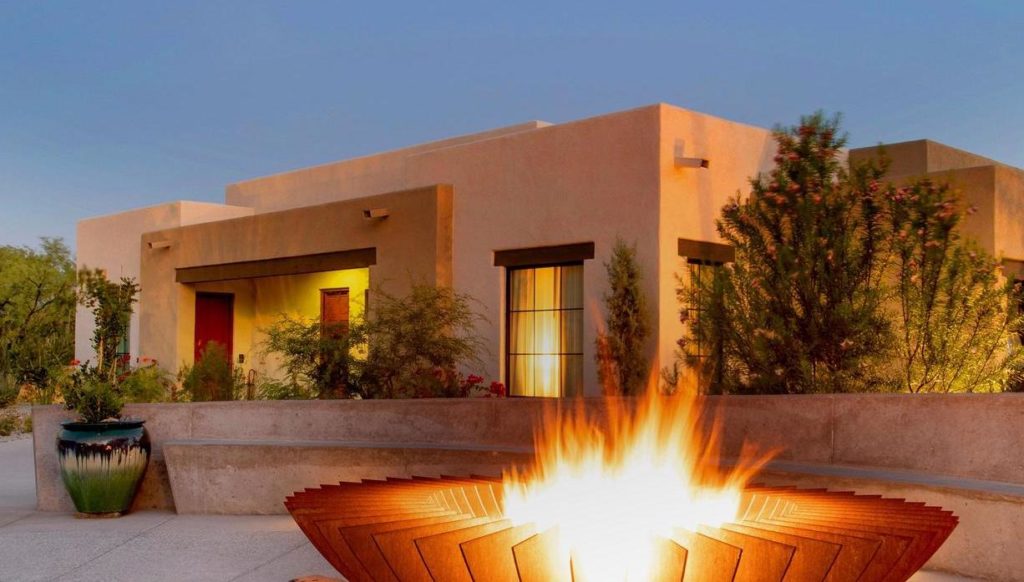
(614, 488)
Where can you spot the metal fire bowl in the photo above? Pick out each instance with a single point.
(452, 529)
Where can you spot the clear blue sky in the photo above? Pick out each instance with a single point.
(109, 105)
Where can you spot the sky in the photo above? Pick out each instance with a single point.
(106, 106)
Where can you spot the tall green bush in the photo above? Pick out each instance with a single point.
(37, 311)
(800, 310)
(620, 350)
(955, 320)
(417, 343)
(323, 364)
(211, 377)
(845, 283)
(111, 305)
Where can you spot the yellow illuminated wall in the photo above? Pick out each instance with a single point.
(260, 302)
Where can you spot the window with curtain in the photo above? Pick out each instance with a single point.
(545, 330)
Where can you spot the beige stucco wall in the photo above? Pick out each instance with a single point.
(692, 199)
(1009, 212)
(412, 244)
(590, 180)
(112, 243)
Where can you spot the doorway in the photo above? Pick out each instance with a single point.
(215, 319)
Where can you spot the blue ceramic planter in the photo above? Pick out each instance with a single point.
(103, 463)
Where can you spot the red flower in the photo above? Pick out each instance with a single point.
(474, 379)
(498, 389)
(74, 362)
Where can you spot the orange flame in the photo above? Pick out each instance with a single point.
(615, 487)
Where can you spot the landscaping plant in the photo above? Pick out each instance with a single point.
(406, 346)
(800, 310)
(37, 311)
(211, 377)
(417, 343)
(622, 363)
(956, 321)
(111, 305)
(845, 283)
(324, 365)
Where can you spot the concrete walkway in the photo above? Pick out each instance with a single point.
(143, 546)
(151, 546)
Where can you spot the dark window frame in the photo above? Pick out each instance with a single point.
(508, 321)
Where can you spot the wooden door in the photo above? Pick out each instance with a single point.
(334, 311)
(215, 319)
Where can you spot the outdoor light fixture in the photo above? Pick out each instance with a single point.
(159, 244)
(376, 213)
(682, 162)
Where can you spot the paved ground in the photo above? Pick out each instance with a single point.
(150, 545)
(144, 546)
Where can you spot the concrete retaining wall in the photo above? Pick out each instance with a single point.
(967, 436)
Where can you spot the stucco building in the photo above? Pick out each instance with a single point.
(521, 218)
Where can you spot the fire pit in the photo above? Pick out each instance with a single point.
(455, 529)
(634, 493)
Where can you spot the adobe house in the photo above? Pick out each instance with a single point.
(522, 218)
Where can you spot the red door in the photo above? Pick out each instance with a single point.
(215, 317)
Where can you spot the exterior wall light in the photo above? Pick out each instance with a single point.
(682, 162)
(376, 213)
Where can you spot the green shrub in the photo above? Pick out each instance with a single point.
(148, 383)
(9, 422)
(622, 363)
(9, 389)
(211, 378)
(317, 364)
(271, 389)
(418, 342)
(94, 399)
(27, 427)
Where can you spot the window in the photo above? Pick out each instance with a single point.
(700, 275)
(545, 330)
(703, 260)
(124, 350)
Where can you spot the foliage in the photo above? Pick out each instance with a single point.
(10, 422)
(93, 397)
(619, 353)
(409, 346)
(9, 390)
(325, 362)
(418, 342)
(272, 389)
(843, 283)
(37, 311)
(953, 320)
(111, 305)
(146, 383)
(211, 377)
(800, 310)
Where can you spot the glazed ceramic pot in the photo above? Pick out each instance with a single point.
(102, 464)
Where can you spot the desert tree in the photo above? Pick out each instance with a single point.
(801, 308)
(955, 317)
